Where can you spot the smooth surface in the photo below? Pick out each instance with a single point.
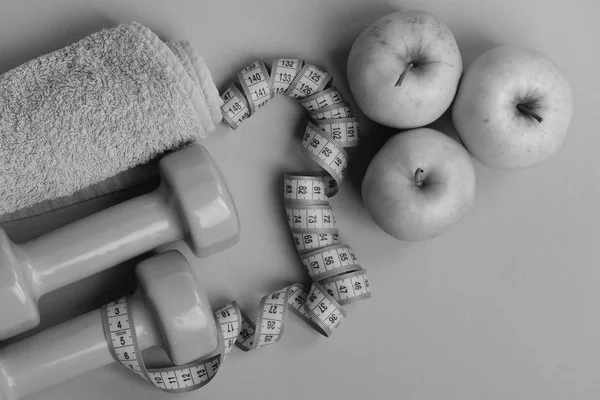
(199, 195)
(187, 323)
(504, 306)
(99, 241)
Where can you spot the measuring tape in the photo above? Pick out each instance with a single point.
(338, 278)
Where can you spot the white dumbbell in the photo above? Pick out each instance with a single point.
(192, 203)
(170, 310)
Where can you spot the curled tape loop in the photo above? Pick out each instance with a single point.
(338, 278)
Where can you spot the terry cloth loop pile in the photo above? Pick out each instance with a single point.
(83, 121)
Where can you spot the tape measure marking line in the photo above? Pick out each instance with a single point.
(185, 378)
(230, 320)
(256, 85)
(321, 308)
(235, 108)
(332, 111)
(308, 190)
(306, 242)
(330, 184)
(283, 72)
(322, 99)
(342, 130)
(348, 288)
(273, 305)
(326, 261)
(174, 379)
(317, 217)
(301, 309)
(116, 317)
(247, 331)
(191, 376)
(269, 325)
(309, 80)
(340, 251)
(297, 301)
(326, 152)
(329, 261)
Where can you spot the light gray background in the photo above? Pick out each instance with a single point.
(504, 306)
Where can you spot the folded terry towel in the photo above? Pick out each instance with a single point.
(74, 118)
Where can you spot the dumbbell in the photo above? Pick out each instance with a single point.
(191, 203)
(169, 310)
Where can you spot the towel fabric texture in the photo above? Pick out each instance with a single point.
(90, 119)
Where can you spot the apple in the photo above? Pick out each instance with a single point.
(513, 108)
(419, 184)
(404, 69)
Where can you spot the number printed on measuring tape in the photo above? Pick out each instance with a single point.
(120, 334)
(256, 85)
(306, 189)
(306, 242)
(342, 130)
(235, 107)
(309, 80)
(322, 99)
(230, 319)
(334, 111)
(283, 72)
(323, 310)
(270, 321)
(329, 261)
(310, 217)
(325, 151)
(348, 288)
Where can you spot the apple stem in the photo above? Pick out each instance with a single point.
(418, 179)
(403, 74)
(529, 112)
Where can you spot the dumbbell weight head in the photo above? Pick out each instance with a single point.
(169, 309)
(207, 209)
(187, 324)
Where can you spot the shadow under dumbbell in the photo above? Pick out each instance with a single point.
(92, 292)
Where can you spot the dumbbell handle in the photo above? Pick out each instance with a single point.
(65, 351)
(99, 241)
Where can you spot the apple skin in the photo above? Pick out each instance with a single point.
(384, 50)
(485, 112)
(402, 208)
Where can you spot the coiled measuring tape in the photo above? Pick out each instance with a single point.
(338, 278)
